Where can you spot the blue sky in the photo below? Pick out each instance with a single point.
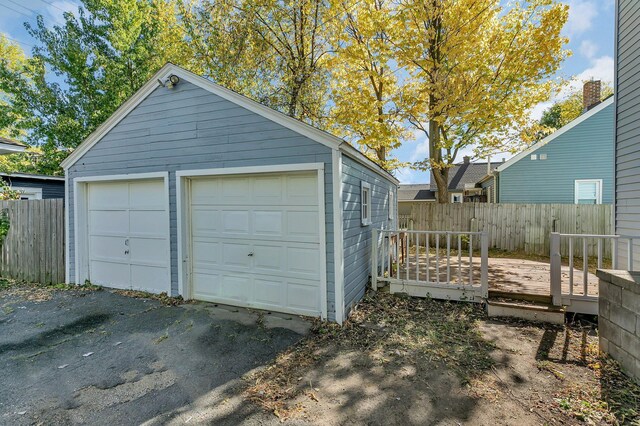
(590, 30)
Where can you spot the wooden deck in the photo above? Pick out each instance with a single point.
(508, 275)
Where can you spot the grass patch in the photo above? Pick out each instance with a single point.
(384, 327)
(615, 401)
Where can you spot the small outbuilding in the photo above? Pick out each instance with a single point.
(35, 187)
(195, 190)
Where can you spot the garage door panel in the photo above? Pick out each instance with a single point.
(235, 191)
(204, 191)
(148, 223)
(148, 278)
(302, 225)
(275, 217)
(127, 234)
(268, 223)
(236, 254)
(147, 195)
(108, 196)
(304, 262)
(110, 274)
(236, 287)
(235, 222)
(206, 253)
(206, 221)
(269, 292)
(147, 251)
(268, 191)
(268, 258)
(302, 296)
(302, 190)
(108, 222)
(108, 248)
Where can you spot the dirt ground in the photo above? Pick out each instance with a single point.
(396, 361)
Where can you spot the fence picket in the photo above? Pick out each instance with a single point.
(33, 249)
(519, 226)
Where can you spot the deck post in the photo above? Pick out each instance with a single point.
(556, 269)
(374, 259)
(484, 264)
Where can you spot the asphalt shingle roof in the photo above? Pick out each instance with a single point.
(465, 173)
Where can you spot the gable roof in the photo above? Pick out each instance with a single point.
(416, 192)
(465, 173)
(557, 133)
(291, 123)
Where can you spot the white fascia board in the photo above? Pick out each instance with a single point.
(555, 134)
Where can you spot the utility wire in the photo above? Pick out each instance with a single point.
(15, 10)
(24, 7)
(52, 4)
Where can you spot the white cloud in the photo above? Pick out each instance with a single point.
(407, 175)
(600, 68)
(588, 49)
(582, 13)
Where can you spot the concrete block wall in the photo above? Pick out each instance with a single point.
(619, 318)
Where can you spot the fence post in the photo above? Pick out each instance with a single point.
(556, 269)
(484, 264)
(374, 259)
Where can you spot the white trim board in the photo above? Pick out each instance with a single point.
(338, 236)
(555, 134)
(80, 186)
(183, 192)
(297, 126)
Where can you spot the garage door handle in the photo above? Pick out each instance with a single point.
(250, 254)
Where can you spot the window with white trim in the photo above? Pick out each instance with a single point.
(456, 198)
(365, 203)
(588, 191)
(392, 205)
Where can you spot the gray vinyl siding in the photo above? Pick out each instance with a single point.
(50, 188)
(627, 148)
(356, 237)
(583, 152)
(188, 128)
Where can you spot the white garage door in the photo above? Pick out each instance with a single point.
(128, 235)
(255, 241)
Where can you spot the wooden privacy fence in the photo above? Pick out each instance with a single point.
(33, 249)
(525, 227)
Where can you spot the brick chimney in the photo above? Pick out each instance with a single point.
(466, 159)
(591, 94)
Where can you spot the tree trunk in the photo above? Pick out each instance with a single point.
(439, 171)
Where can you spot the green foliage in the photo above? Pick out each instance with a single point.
(568, 109)
(104, 53)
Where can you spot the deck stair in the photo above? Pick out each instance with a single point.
(531, 307)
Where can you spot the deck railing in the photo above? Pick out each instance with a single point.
(581, 290)
(431, 259)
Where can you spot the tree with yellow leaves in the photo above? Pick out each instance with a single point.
(367, 101)
(476, 69)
